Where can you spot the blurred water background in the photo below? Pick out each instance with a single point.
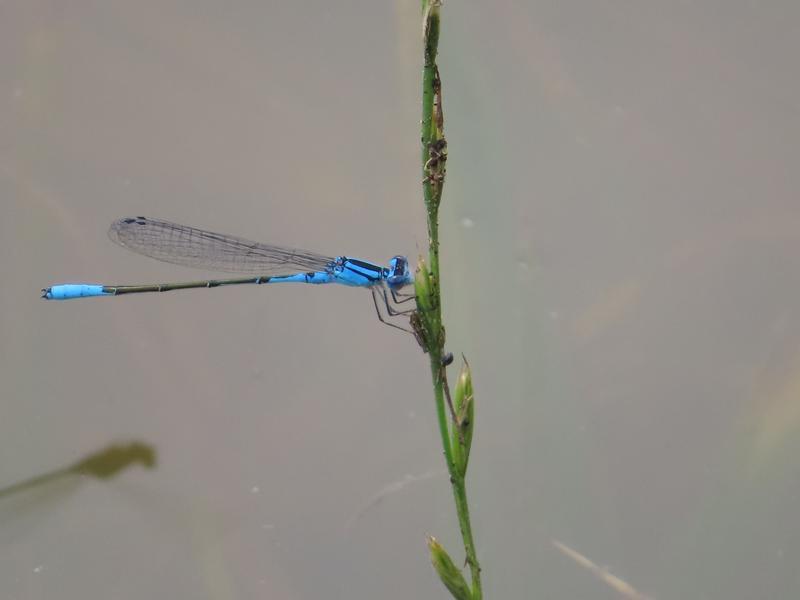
(620, 230)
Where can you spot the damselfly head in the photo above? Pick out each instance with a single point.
(399, 273)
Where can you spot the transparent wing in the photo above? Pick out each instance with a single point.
(187, 246)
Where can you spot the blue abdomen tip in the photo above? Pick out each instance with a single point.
(68, 291)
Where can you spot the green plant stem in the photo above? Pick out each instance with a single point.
(433, 146)
(460, 494)
(441, 413)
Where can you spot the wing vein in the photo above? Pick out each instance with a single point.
(198, 248)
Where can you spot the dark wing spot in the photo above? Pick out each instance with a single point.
(136, 220)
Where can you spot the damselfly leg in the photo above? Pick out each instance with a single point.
(400, 297)
(391, 313)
